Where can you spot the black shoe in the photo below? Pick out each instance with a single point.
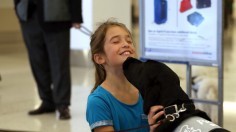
(41, 110)
(64, 113)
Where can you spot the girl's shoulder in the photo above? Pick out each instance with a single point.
(98, 94)
(99, 91)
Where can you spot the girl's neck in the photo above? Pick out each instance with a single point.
(116, 81)
(122, 90)
(117, 84)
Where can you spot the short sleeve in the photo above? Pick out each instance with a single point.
(98, 112)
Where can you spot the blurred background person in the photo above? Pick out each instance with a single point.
(45, 26)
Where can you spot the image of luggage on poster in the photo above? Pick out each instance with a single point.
(195, 19)
(203, 4)
(160, 11)
(185, 5)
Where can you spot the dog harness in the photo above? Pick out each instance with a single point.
(172, 112)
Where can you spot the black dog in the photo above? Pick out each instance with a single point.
(159, 85)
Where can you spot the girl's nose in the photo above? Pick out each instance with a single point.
(126, 44)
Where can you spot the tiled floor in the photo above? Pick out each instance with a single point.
(18, 93)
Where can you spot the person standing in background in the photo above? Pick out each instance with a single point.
(45, 26)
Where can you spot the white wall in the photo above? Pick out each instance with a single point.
(95, 11)
(8, 20)
(120, 9)
(78, 39)
(9, 25)
(6, 3)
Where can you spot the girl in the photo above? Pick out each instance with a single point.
(115, 104)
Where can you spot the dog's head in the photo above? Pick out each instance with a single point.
(157, 83)
(132, 68)
(134, 72)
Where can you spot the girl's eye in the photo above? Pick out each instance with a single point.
(129, 41)
(115, 42)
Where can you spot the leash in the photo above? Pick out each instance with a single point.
(85, 30)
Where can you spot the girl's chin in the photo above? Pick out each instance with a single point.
(128, 56)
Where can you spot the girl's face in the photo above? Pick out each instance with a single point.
(118, 46)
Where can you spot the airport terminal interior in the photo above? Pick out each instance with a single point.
(18, 92)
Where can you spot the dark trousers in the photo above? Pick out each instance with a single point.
(49, 60)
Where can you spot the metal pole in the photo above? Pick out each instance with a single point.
(220, 66)
(188, 79)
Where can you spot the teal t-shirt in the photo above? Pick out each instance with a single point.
(103, 109)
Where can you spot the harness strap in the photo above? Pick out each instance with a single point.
(171, 113)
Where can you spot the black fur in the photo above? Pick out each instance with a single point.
(159, 85)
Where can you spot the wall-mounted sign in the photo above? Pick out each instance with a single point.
(181, 30)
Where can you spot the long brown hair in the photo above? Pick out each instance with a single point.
(97, 46)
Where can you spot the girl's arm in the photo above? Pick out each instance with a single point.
(104, 129)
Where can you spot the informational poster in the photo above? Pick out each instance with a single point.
(181, 30)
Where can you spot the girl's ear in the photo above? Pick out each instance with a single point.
(99, 59)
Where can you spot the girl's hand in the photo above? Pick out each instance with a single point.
(153, 115)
